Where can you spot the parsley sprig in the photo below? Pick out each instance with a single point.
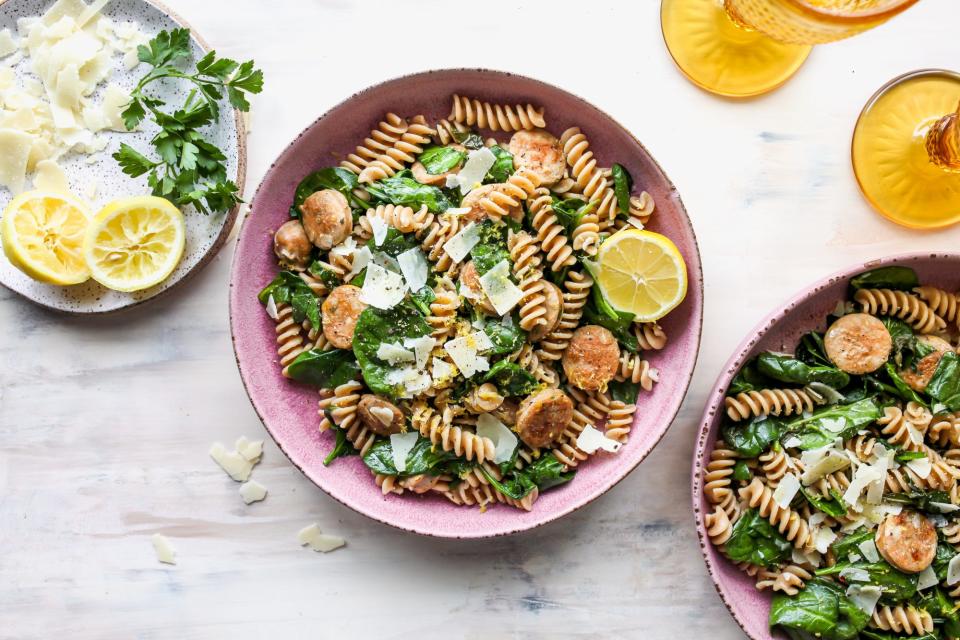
(188, 168)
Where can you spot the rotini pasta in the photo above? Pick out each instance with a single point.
(902, 619)
(403, 152)
(943, 303)
(550, 234)
(912, 310)
(495, 117)
(774, 402)
(637, 370)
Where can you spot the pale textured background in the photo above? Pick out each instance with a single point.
(105, 424)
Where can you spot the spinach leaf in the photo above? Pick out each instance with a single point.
(831, 422)
(945, 553)
(544, 473)
(598, 311)
(832, 506)
(571, 211)
(402, 189)
(326, 276)
(756, 541)
(626, 391)
(752, 438)
(741, 472)
(502, 167)
(812, 351)
(341, 447)
(903, 278)
(749, 378)
(288, 288)
(324, 369)
(506, 338)
(469, 139)
(944, 609)
(492, 248)
(516, 486)
(422, 299)
(394, 243)
(422, 458)
(821, 609)
(334, 178)
(843, 547)
(511, 379)
(944, 386)
(622, 185)
(437, 160)
(894, 585)
(903, 390)
(873, 634)
(920, 500)
(789, 369)
(906, 348)
(378, 326)
(907, 456)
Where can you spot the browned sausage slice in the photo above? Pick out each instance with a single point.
(292, 246)
(327, 218)
(591, 359)
(858, 343)
(539, 152)
(380, 416)
(341, 310)
(908, 541)
(543, 416)
(919, 378)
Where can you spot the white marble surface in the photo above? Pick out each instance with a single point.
(105, 424)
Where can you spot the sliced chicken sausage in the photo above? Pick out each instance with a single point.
(379, 415)
(592, 357)
(539, 152)
(858, 343)
(327, 218)
(543, 416)
(341, 310)
(908, 541)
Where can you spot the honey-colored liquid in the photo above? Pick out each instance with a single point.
(815, 21)
(892, 147)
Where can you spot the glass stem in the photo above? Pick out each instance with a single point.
(943, 142)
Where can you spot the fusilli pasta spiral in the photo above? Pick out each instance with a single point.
(774, 402)
(793, 527)
(438, 428)
(380, 140)
(403, 152)
(910, 309)
(637, 370)
(902, 619)
(943, 303)
(496, 117)
(550, 234)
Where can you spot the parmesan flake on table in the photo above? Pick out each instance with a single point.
(238, 463)
(164, 550)
(311, 536)
(252, 491)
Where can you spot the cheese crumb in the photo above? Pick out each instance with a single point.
(414, 268)
(238, 463)
(252, 491)
(314, 538)
(164, 550)
(591, 439)
(458, 246)
(381, 288)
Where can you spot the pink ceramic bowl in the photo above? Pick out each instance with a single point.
(289, 410)
(781, 331)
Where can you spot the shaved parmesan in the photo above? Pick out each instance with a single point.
(786, 490)
(915, 436)
(463, 352)
(115, 100)
(409, 381)
(7, 44)
(381, 288)
(864, 475)
(474, 170)
(854, 574)
(921, 466)
(361, 258)
(458, 246)
(272, 308)
(164, 550)
(953, 571)
(318, 541)
(14, 153)
(252, 491)
(6, 77)
(496, 283)
(380, 228)
(236, 463)
(944, 507)
(590, 439)
(442, 371)
(249, 449)
(833, 425)
(865, 597)
(503, 439)
(414, 267)
(817, 467)
(384, 415)
(401, 445)
(394, 353)
(869, 550)
(805, 557)
(50, 177)
(855, 557)
(927, 579)
(422, 348)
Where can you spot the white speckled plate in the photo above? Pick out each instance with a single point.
(205, 234)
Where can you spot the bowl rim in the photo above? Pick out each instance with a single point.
(696, 280)
(230, 217)
(718, 392)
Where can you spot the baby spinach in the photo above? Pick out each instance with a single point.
(622, 185)
(422, 458)
(502, 167)
(873, 634)
(907, 456)
(938, 603)
(920, 500)
(469, 139)
(379, 326)
(741, 472)
(791, 370)
(543, 473)
(907, 349)
(394, 243)
(843, 547)
(812, 350)
(625, 391)
(752, 438)
(903, 278)
(756, 541)
(821, 609)
(437, 160)
(832, 506)
(506, 338)
(334, 178)
(571, 211)
(422, 299)
(831, 422)
(598, 311)
(945, 553)
(511, 379)
(327, 276)
(288, 288)
(402, 189)
(749, 378)
(902, 389)
(894, 585)
(341, 447)
(492, 248)
(944, 386)
(324, 369)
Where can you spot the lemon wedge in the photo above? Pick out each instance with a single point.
(43, 236)
(134, 243)
(641, 272)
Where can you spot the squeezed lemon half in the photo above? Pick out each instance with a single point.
(43, 236)
(641, 272)
(134, 243)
